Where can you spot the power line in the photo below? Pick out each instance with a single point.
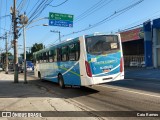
(22, 5)
(0, 13)
(108, 18)
(5, 16)
(58, 4)
(39, 9)
(27, 5)
(92, 9)
(100, 4)
(55, 6)
(33, 8)
(115, 14)
(4, 29)
(131, 28)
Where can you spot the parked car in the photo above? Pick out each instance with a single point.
(29, 65)
(134, 64)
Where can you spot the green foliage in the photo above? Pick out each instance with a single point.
(36, 47)
(4, 54)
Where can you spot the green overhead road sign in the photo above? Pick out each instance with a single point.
(59, 16)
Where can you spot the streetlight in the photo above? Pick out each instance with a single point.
(37, 25)
(24, 44)
(58, 33)
(24, 22)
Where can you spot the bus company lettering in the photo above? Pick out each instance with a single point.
(106, 68)
(105, 62)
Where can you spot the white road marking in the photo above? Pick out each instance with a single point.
(131, 91)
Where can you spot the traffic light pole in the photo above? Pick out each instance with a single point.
(15, 43)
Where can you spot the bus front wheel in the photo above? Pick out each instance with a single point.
(61, 81)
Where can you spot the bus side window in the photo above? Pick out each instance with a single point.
(64, 53)
(55, 55)
(41, 57)
(72, 54)
(38, 57)
(34, 59)
(44, 57)
(50, 56)
(77, 48)
(59, 55)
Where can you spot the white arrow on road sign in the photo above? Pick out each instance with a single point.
(52, 15)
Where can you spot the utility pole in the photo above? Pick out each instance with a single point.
(6, 70)
(59, 36)
(15, 43)
(59, 33)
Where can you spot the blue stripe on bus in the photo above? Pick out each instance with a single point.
(108, 64)
(69, 70)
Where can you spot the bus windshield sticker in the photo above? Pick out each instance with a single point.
(93, 60)
(114, 45)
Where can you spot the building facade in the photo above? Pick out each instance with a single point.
(141, 46)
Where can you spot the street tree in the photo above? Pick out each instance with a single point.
(29, 55)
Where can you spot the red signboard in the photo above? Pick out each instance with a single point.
(131, 35)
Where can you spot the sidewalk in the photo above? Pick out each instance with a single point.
(142, 73)
(29, 97)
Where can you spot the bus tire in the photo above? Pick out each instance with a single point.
(61, 81)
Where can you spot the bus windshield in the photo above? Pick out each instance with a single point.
(103, 44)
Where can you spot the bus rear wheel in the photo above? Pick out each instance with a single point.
(61, 81)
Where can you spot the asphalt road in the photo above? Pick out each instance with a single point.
(124, 95)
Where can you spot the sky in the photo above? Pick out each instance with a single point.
(115, 14)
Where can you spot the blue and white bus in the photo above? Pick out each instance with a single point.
(83, 61)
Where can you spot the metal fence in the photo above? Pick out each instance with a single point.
(134, 61)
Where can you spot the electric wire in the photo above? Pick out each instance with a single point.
(18, 6)
(36, 10)
(93, 9)
(22, 6)
(0, 14)
(58, 4)
(117, 13)
(39, 10)
(27, 5)
(108, 18)
(99, 5)
(5, 15)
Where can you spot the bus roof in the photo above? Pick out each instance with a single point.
(98, 33)
(68, 41)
